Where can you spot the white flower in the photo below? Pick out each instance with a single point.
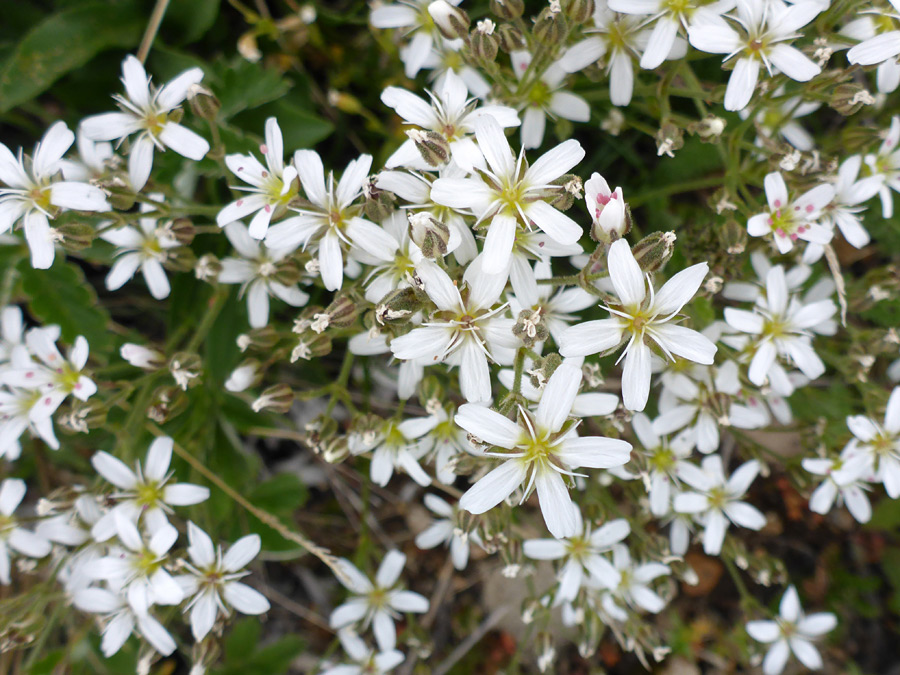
(147, 111)
(867, 26)
(447, 531)
(630, 585)
(12, 344)
(399, 446)
(144, 492)
(786, 220)
(781, 119)
(121, 621)
(792, 632)
(144, 247)
(510, 197)
(878, 445)
(366, 660)
(13, 537)
(469, 329)
(544, 97)
(22, 409)
(138, 570)
(451, 113)
(663, 459)
(55, 377)
(768, 26)
(330, 219)
(35, 192)
(213, 580)
(272, 186)
(376, 603)
(582, 553)
(256, 271)
(886, 164)
(781, 326)
(881, 47)
(668, 17)
(639, 318)
(93, 159)
(717, 500)
(412, 15)
(842, 483)
(538, 450)
(844, 211)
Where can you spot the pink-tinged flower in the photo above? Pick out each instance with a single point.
(790, 220)
(147, 111)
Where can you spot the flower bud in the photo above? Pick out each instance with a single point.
(571, 190)
(733, 236)
(182, 230)
(398, 306)
(550, 27)
(433, 146)
(429, 234)
(167, 403)
(311, 346)
(483, 42)
(204, 103)
(259, 339)
(530, 327)
(708, 129)
(181, 259)
(379, 203)
(508, 10)
(278, 398)
(342, 312)
(579, 11)
(76, 236)
(849, 98)
(452, 21)
(142, 357)
(544, 369)
(248, 48)
(185, 368)
(121, 201)
(207, 268)
(244, 376)
(511, 38)
(654, 251)
(607, 209)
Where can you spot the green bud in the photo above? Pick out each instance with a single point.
(84, 416)
(181, 259)
(203, 103)
(430, 389)
(310, 346)
(278, 398)
(550, 27)
(208, 267)
(287, 272)
(483, 42)
(733, 236)
(433, 146)
(544, 369)
(379, 203)
(530, 327)
(258, 340)
(451, 21)
(76, 236)
(398, 306)
(654, 251)
(508, 10)
(182, 229)
(342, 312)
(849, 98)
(429, 234)
(511, 38)
(669, 138)
(578, 11)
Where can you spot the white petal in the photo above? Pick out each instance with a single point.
(741, 84)
(678, 290)
(558, 397)
(556, 224)
(625, 274)
(594, 452)
(560, 514)
(494, 487)
(241, 553)
(245, 599)
(763, 631)
(113, 470)
(488, 425)
(203, 615)
(184, 141)
(636, 376)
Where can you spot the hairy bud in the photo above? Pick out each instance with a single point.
(530, 327)
(849, 98)
(379, 203)
(203, 102)
(208, 267)
(511, 38)
(433, 146)
(167, 403)
(452, 21)
(76, 236)
(278, 398)
(669, 138)
(311, 346)
(342, 312)
(508, 10)
(544, 369)
(483, 41)
(550, 27)
(258, 339)
(429, 234)
(654, 250)
(181, 259)
(733, 236)
(579, 11)
(398, 306)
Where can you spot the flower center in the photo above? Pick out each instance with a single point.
(149, 494)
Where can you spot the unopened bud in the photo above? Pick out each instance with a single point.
(429, 234)
(259, 339)
(182, 229)
(379, 203)
(203, 102)
(530, 327)
(849, 98)
(511, 38)
(483, 42)
(121, 201)
(579, 11)
(608, 211)
(398, 306)
(550, 27)
(76, 236)
(452, 21)
(310, 346)
(433, 146)
(247, 47)
(654, 251)
(142, 357)
(342, 311)
(571, 190)
(207, 267)
(733, 236)
(278, 398)
(508, 10)
(181, 259)
(544, 369)
(244, 376)
(709, 128)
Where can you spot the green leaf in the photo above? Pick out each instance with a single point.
(281, 494)
(188, 21)
(242, 655)
(64, 42)
(243, 85)
(61, 295)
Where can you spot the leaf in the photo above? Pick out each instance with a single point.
(61, 295)
(64, 42)
(242, 85)
(282, 494)
(242, 655)
(188, 21)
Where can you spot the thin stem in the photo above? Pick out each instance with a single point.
(159, 11)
